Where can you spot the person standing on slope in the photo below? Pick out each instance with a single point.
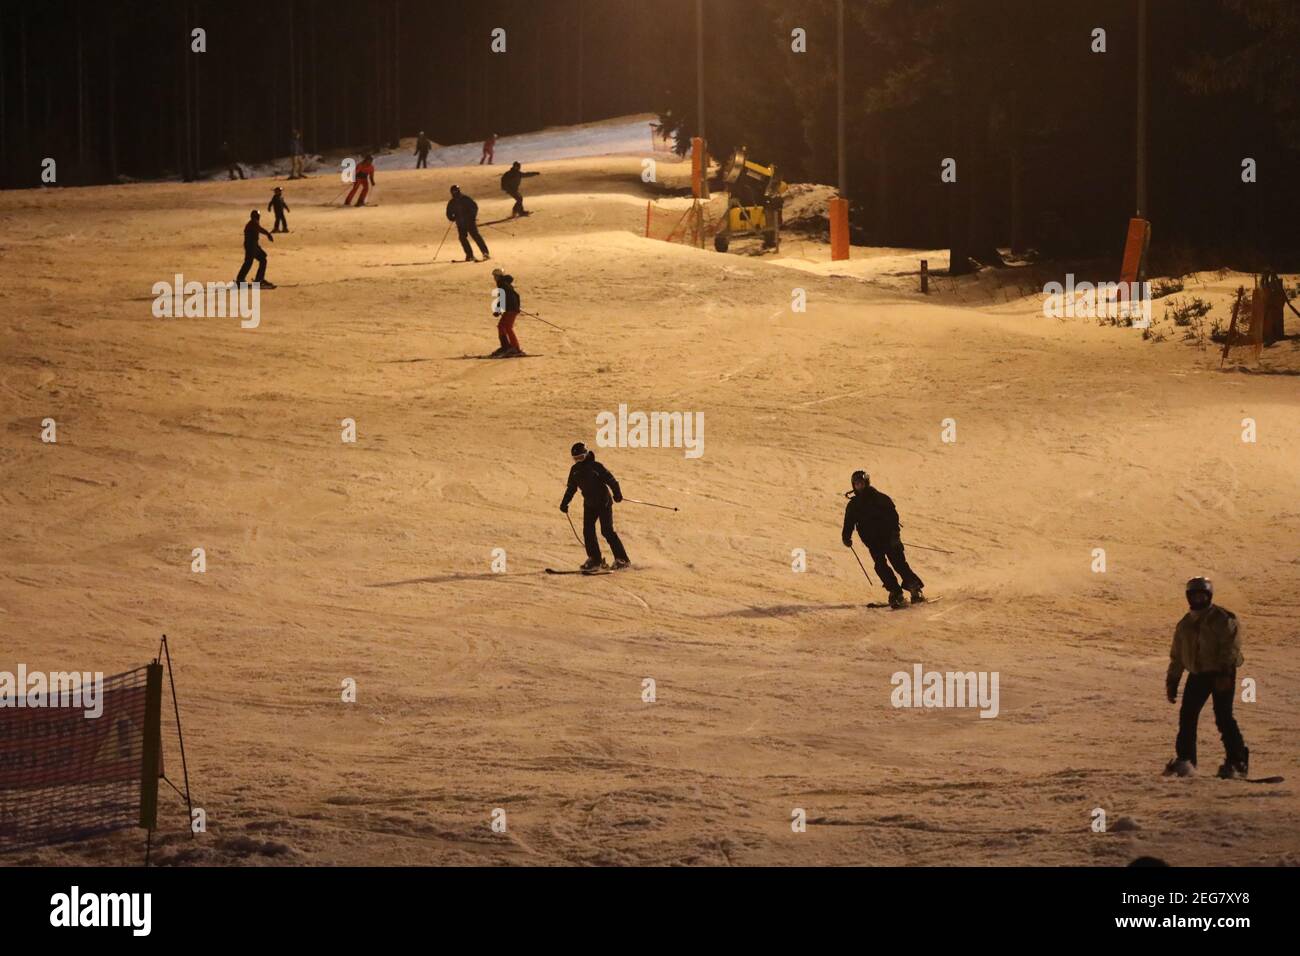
(252, 250)
(363, 179)
(489, 150)
(463, 211)
(422, 147)
(510, 181)
(296, 154)
(279, 207)
(506, 308)
(231, 164)
(873, 513)
(1207, 644)
(596, 483)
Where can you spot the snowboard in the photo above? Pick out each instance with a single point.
(907, 605)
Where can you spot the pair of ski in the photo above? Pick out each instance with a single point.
(594, 571)
(525, 355)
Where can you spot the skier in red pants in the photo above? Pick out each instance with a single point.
(507, 310)
(365, 178)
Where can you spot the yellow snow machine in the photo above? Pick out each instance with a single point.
(754, 201)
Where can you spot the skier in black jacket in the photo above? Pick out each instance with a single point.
(510, 181)
(463, 211)
(422, 147)
(596, 483)
(279, 207)
(873, 513)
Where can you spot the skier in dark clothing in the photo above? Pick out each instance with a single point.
(232, 165)
(422, 147)
(279, 207)
(873, 513)
(463, 211)
(596, 483)
(252, 250)
(510, 181)
(506, 310)
(296, 155)
(1207, 645)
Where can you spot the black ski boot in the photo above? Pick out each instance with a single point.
(593, 564)
(896, 599)
(621, 563)
(917, 596)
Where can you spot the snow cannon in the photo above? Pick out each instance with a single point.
(754, 201)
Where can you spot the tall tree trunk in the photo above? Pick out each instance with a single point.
(81, 93)
(580, 64)
(959, 194)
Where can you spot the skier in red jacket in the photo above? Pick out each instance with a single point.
(489, 150)
(365, 178)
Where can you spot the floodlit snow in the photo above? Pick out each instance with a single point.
(372, 561)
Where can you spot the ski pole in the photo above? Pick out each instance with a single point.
(444, 239)
(540, 319)
(861, 565)
(651, 504)
(924, 548)
(573, 529)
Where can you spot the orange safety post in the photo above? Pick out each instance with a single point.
(839, 213)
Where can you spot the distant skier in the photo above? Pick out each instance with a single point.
(506, 310)
(596, 483)
(296, 154)
(364, 179)
(489, 150)
(510, 181)
(873, 513)
(279, 207)
(1207, 645)
(253, 250)
(463, 211)
(422, 147)
(228, 158)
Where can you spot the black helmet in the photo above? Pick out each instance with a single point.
(1199, 586)
(579, 450)
(861, 476)
(455, 190)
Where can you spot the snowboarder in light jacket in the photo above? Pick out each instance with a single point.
(1207, 644)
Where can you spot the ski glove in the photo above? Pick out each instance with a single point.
(848, 542)
(1171, 691)
(617, 497)
(564, 508)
